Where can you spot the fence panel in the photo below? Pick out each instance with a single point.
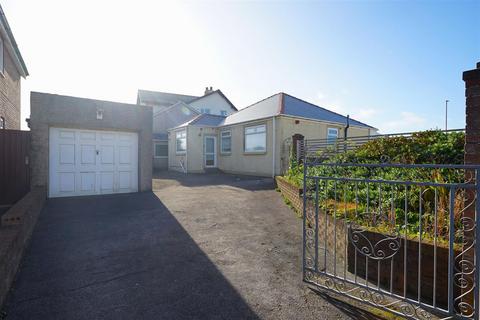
(14, 165)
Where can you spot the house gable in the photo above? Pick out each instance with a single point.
(215, 102)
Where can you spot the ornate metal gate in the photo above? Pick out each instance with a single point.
(395, 236)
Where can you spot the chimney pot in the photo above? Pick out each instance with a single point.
(478, 65)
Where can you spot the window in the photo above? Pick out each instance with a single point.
(2, 123)
(181, 141)
(160, 149)
(223, 113)
(256, 139)
(1, 56)
(205, 110)
(332, 135)
(226, 141)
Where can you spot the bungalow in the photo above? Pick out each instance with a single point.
(171, 110)
(251, 141)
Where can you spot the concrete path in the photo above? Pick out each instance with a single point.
(199, 247)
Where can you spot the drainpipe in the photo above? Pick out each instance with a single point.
(186, 150)
(273, 148)
(345, 134)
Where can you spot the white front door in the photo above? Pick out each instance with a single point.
(210, 151)
(87, 162)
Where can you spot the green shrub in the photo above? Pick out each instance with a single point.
(383, 205)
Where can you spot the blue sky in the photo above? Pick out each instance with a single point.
(390, 64)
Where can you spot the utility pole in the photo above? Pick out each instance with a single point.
(446, 114)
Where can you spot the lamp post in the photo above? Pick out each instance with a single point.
(446, 114)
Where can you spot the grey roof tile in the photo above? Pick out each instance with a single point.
(207, 120)
(296, 107)
(162, 98)
(285, 104)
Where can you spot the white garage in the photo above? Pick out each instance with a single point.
(89, 162)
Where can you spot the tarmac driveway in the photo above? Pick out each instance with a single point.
(199, 247)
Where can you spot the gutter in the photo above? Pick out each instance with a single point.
(17, 56)
(273, 147)
(186, 150)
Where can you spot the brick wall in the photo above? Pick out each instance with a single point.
(472, 136)
(15, 230)
(10, 93)
(334, 232)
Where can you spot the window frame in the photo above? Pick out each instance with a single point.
(330, 140)
(160, 142)
(229, 132)
(245, 138)
(177, 134)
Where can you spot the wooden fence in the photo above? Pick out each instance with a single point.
(14, 165)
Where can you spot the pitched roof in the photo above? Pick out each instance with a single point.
(221, 94)
(285, 104)
(204, 120)
(162, 98)
(185, 109)
(296, 107)
(11, 44)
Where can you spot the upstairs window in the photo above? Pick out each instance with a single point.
(161, 149)
(223, 113)
(256, 138)
(181, 141)
(226, 141)
(332, 135)
(205, 110)
(2, 123)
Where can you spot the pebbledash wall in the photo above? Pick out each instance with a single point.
(51, 110)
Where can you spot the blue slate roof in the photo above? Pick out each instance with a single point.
(296, 107)
(206, 120)
(285, 104)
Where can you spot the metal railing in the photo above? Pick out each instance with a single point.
(397, 237)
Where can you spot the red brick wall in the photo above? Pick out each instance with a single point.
(472, 134)
(334, 232)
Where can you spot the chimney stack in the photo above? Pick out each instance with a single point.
(208, 90)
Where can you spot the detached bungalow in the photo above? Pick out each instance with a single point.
(252, 140)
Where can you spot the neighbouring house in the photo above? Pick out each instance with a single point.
(251, 141)
(12, 69)
(171, 110)
(85, 147)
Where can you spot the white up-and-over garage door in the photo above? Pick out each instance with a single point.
(87, 162)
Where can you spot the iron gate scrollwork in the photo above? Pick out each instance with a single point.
(400, 237)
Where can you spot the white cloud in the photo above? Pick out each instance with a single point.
(406, 121)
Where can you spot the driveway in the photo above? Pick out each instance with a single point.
(200, 247)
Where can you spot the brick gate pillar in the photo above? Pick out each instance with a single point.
(472, 132)
(471, 156)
